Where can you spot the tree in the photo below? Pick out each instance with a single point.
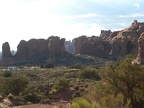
(128, 79)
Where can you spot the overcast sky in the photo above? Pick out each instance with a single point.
(26, 19)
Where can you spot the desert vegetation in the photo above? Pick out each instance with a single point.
(121, 86)
(109, 85)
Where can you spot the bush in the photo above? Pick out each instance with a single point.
(47, 66)
(61, 84)
(32, 97)
(75, 67)
(89, 73)
(14, 85)
(7, 74)
(76, 94)
(81, 103)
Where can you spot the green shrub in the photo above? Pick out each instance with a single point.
(48, 65)
(7, 74)
(14, 85)
(81, 103)
(75, 67)
(89, 73)
(76, 94)
(32, 97)
(61, 84)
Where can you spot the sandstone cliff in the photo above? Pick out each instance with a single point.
(109, 44)
(34, 51)
(116, 44)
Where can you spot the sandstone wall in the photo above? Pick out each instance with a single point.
(34, 51)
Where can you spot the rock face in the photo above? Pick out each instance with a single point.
(7, 57)
(56, 47)
(124, 43)
(96, 47)
(140, 56)
(78, 43)
(105, 34)
(109, 44)
(35, 50)
(116, 43)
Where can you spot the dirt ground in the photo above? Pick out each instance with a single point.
(52, 105)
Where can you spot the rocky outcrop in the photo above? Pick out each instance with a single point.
(7, 57)
(105, 34)
(56, 47)
(96, 47)
(116, 43)
(35, 51)
(124, 43)
(140, 56)
(78, 43)
(109, 44)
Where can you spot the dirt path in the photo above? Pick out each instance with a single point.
(53, 105)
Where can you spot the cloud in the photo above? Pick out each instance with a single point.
(26, 19)
(134, 15)
(89, 15)
(137, 5)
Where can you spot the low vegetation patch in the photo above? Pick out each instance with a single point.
(89, 73)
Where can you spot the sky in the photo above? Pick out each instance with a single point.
(27, 19)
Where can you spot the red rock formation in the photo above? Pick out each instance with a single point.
(105, 34)
(7, 57)
(126, 41)
(35, 50)
(140, 57)
(78, 43)
(116, 43)
(56, 47)
(96, 47)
